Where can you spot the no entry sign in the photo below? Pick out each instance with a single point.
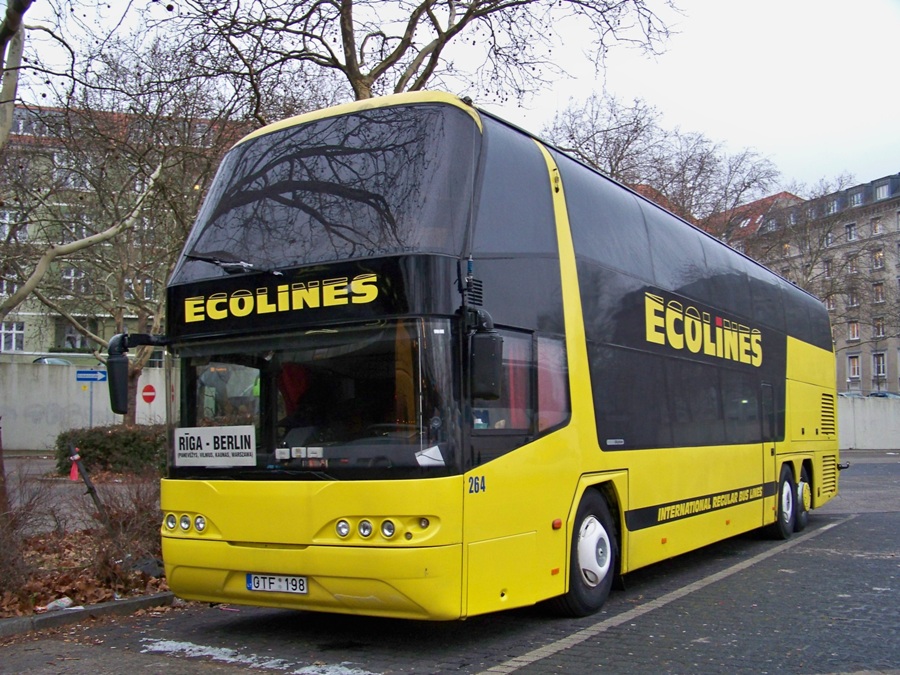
(148, 393)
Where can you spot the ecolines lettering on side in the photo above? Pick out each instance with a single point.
(284, 298)
(671, 323)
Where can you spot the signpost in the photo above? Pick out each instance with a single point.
(90, 376)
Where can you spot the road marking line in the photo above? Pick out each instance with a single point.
(632, 614)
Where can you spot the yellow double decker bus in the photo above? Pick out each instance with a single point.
(428, 366)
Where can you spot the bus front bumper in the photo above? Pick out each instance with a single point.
(412, 583)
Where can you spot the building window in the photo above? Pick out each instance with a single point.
(853, 330)
(11, 226)
(74, 280)
(882, 191)
(72, 339)
(878, 369)
(744, 223)
(853, 366)
(877, 227)
(141, 289)
(829, 238)
(851, 232)
(878, 259)
(12, 336)
(830, 303)
(785, 250)
(8, 286)
(826, 267)
(68, 173)
(878, 327)
(856, 199)
(852, 299)
(852, 265)
(878, 292)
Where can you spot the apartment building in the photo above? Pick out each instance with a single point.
(844, 247)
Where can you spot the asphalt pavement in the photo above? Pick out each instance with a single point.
(823, 602)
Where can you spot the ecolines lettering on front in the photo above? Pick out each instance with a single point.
(284, 298)
(679, 327)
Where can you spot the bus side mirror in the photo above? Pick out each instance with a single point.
(117, 366)
(486, 365)
(117, 375)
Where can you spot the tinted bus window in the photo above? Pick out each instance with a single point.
(727, 278)
(515, 208)
(606, 221)
(376, 182)
(678, 261)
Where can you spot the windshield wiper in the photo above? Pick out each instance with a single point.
(230, 266)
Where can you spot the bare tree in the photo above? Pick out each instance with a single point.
(691, 175)
(618, 139)
(379, 47)
(124, 162)
(12, 42)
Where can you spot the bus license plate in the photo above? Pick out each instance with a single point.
(276, 583)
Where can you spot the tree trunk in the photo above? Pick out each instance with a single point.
(134, 376)
(4, 497)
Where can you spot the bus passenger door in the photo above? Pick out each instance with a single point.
(769, 435)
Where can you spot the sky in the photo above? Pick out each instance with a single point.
(811, 85)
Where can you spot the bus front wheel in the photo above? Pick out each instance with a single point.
(594, 557)
(786, 516)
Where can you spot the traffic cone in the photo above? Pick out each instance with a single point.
(73, 472)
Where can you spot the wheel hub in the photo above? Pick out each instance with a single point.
(594, 551)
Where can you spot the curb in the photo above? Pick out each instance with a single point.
(64, 617)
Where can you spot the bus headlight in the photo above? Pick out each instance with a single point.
(365, 528)
(171, 521)
(387, 529)
(200, 523)
(343, 528)
(185, 523)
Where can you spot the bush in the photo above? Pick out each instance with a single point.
(31, 509)
(120, 449)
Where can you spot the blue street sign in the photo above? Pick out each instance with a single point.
(90, 376)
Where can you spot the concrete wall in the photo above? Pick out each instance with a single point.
(38, 401)
(869, 423)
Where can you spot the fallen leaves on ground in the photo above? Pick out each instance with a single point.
(62, 564)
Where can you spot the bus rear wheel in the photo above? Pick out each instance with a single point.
(804, 499)
(786, 516)
(594, 557)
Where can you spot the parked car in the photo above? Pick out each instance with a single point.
(53, 361)
(884, 394)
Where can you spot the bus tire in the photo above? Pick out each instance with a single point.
(594, 557)
(786, 506)
(804, 497)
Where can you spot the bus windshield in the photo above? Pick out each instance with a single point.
(343, 403)
(372, 183)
